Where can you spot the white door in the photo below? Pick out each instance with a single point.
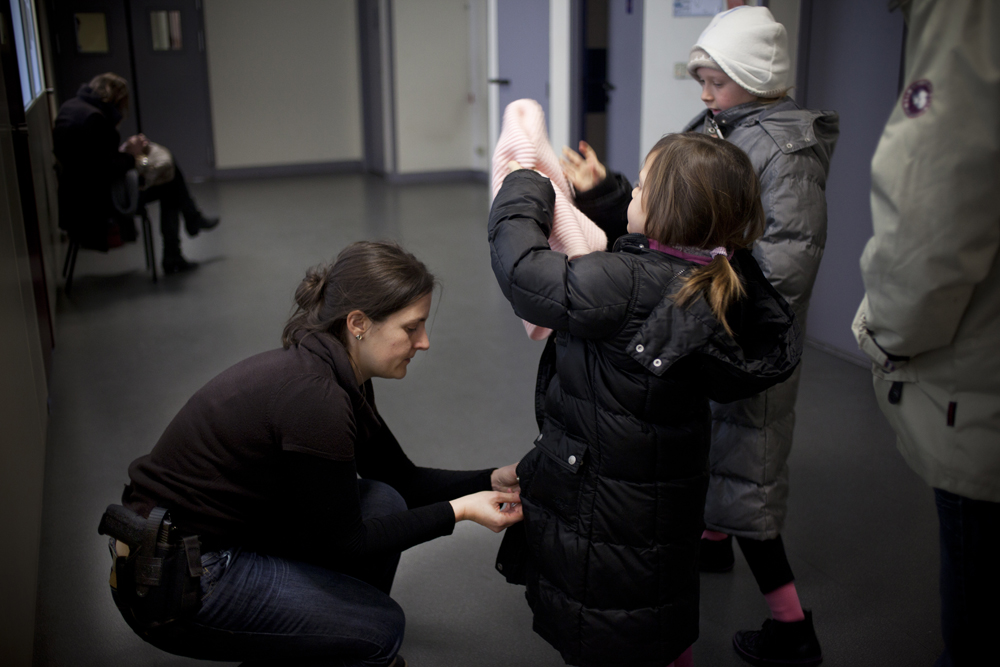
(519, 56)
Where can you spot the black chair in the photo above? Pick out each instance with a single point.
(147, 241)
(125, 194)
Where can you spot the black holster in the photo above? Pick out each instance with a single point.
(159, 581)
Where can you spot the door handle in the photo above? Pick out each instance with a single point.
(502, 82)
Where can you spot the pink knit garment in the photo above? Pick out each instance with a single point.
(525, 139)
(685, 659)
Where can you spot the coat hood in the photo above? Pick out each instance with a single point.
(86, 93)
(764, 348)
(791, 127)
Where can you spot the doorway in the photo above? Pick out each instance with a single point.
(594, 74)
(610, 60)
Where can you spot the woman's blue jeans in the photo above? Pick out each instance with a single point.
(271, 611)
(970, 579)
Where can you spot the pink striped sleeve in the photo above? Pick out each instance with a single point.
(524, 138)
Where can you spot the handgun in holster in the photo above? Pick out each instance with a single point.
(159, 580)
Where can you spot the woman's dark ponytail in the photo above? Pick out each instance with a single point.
(377, 278)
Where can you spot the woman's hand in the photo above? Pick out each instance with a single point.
(583, 171)
(137, 145)
(505, 479)
(492, 509)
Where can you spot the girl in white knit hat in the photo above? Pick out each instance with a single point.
(741, 61)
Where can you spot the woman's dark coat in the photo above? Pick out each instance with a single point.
(85, 140)
(614, 489)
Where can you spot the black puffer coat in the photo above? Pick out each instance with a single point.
(614, 489)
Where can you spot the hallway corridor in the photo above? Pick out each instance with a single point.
(862, 530)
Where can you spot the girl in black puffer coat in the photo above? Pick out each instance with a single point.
(645, 336)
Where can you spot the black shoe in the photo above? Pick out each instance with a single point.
(780, 643)
(716, 555)
(195, 224)
(177, 264)
(399, 661)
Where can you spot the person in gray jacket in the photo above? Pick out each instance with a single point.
(930, 318)
(742, 63)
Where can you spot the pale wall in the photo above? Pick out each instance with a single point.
(440, 88)
(667, 103)
(560, 71)
(284, 81)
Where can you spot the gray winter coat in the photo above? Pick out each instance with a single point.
(790, 149)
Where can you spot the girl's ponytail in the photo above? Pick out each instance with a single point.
(702, 192)
(719, 282)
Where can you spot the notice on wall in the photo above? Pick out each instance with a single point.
(698, 7)
(706, 7)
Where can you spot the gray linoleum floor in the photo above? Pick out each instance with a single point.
(861, 533)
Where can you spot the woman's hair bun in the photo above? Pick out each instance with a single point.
(310, 291)
(377, 278)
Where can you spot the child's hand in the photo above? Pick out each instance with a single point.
(137, 145)
(585, 171)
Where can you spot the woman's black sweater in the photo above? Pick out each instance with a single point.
(267, 456)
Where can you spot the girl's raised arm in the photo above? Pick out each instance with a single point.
(587, 296)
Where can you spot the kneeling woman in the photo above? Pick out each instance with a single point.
(297, 553)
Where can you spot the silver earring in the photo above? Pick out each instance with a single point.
(358, 336)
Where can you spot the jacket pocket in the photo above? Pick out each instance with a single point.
(564, 449)
(890, 367)
(555, 473)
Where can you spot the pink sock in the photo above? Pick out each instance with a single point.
(784, 604)
(685, 659)
(713, 535)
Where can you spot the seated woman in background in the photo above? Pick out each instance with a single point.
(297, 554)
(86, 141)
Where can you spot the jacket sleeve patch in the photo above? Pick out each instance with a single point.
(916, 98)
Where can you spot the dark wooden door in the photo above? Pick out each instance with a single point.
(172, 80)
(159, 47)
(91, 37)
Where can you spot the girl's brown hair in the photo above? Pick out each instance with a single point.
(377, 278)
(702, 192)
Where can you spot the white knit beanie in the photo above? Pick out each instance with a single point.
(750, 46)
